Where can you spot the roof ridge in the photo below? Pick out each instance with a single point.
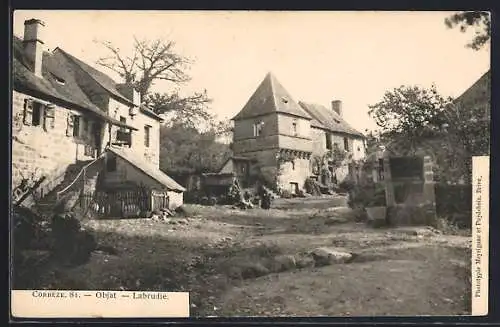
(273, 90)
(78, 63)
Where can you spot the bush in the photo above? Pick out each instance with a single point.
(370, 195)
(70, 243)
(347, 186)
(286, 194)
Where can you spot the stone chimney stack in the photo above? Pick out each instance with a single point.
(33, 43)
(337, 106)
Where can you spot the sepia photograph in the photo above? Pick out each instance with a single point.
(249, 163)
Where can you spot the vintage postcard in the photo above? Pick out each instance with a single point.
(180, 164)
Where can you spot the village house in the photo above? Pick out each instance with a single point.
(278, 139)
(68, 117)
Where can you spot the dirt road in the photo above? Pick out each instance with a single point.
(225, 259)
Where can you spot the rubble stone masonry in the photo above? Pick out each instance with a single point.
(38, 151)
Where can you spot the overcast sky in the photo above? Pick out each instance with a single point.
(317, 56)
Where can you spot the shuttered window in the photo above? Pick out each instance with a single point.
(147, 135)
(69, 128)
(49, 116)
(28, 111)
(76, 125)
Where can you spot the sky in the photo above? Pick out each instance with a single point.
(318, 57)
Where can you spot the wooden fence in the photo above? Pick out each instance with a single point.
(123, 203)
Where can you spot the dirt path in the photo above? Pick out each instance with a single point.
(222, 257)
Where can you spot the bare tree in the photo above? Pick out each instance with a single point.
(150, 61)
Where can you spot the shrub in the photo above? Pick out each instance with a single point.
(70, 243)
(286, 194)
(347, 186)
(370, 195)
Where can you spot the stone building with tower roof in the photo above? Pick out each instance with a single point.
(272, 125)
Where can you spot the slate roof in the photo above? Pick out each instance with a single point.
(147, 168)
(104, 81)
(477, 93)
(270, 96)
(57, 85)
(328, 119)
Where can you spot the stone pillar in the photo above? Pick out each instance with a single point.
(428, 191)
(389, 187)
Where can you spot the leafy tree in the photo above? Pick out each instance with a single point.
(412, 119)
(480, 20)
(408, 115)
(186, 150)
(189, 111)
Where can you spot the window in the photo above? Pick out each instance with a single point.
(85, 125)
(328, 141)
(36, 116)
(147, 135)
(257, 128)
(76, 126)
(111, 164)
(294, 127)
(293, 165)
(346, 144)
(123, 120)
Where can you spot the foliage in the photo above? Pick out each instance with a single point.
(185, 150)
(334, 158)
(71, 244)
(408, 114)
(190, 111)
(413, 119)
(367, 195)
(480, 20)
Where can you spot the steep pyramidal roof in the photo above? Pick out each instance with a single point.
(271, 97)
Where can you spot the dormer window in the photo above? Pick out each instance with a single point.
(285, 100)
(58, 79)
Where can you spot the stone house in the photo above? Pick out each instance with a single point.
(273, 126)
(66, 114)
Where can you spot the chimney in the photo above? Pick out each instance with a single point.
(130, 93)
(337, 106)
(33, 43)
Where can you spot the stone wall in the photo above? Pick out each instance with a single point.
(295, 172)
(410, 194)
(45, 151)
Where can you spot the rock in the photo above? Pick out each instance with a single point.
(304, 261)
(253, 270)
(326, 256)
(283, 263)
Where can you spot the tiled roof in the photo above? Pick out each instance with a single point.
(328, 119)
(58, 83)
(105, 81)
(147, 168)
(270, 97)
